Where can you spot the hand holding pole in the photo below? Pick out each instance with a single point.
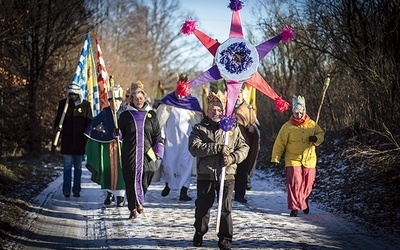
(226, 125)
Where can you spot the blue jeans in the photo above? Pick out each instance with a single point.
(76, 161)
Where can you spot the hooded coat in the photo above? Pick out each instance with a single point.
(77, 118)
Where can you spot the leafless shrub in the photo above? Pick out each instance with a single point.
(376, 148)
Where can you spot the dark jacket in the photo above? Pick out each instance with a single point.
(76, 120)
(140, 132)
(203, 143)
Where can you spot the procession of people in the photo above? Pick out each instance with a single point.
(220, 139)
(124, 141)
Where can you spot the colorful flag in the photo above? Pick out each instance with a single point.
(85, 76)
(102, 78)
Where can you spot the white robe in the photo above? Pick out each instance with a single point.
(177, 163)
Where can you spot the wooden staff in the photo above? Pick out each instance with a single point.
(60, 124)
(325, 88)
(114, 113)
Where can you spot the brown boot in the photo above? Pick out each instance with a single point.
(140, 208)
(133, 215)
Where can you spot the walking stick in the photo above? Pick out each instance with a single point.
(226, 125)
(114, 112)
(60, 124)
(325, 88)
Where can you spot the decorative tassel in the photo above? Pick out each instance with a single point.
(287, 34)
(281, 105)
(235, 5)
(189, 26)
(226, 123)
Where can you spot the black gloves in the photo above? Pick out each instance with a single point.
(223, 149)
(313, 138)
(227, 160)
(278, 168)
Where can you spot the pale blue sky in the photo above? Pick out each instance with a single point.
(214, 16)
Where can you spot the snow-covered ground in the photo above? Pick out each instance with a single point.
(167, 223)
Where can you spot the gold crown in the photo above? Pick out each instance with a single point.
(218, 97)
(181, 78)
(137, 87)
(298, 100)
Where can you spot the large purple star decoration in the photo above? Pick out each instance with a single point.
(237, 60)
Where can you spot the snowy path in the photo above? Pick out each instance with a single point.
(263, 223)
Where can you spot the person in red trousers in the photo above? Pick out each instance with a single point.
(298, 138)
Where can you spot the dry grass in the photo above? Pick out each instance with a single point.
(21, 180)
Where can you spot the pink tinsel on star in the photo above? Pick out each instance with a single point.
(287, 34)
(189, 26)
(281, 105)
(235, 5)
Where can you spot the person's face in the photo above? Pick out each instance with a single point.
(214, 111)
(298, 113)
(116, 104)
(138, 100)
(73, 96)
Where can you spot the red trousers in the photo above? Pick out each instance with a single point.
(300, 181)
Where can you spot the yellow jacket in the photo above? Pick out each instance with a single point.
(294, 140)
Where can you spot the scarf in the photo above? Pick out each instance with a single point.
(298, 122)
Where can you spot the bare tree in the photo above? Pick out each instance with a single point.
(144, 42)
(42, 38)
(354, 41)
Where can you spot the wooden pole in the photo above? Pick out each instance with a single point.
(60, 124)
(325, 88)
(221, 189)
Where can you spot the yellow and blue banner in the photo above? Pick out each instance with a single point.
(85, 75)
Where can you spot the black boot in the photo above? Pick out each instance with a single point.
(110, 198)
(184, 196)
(166, 190)
(197, 239)
(120, 201)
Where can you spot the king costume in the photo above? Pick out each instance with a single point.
(178, 112)
(103, 151)
(142, 145)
